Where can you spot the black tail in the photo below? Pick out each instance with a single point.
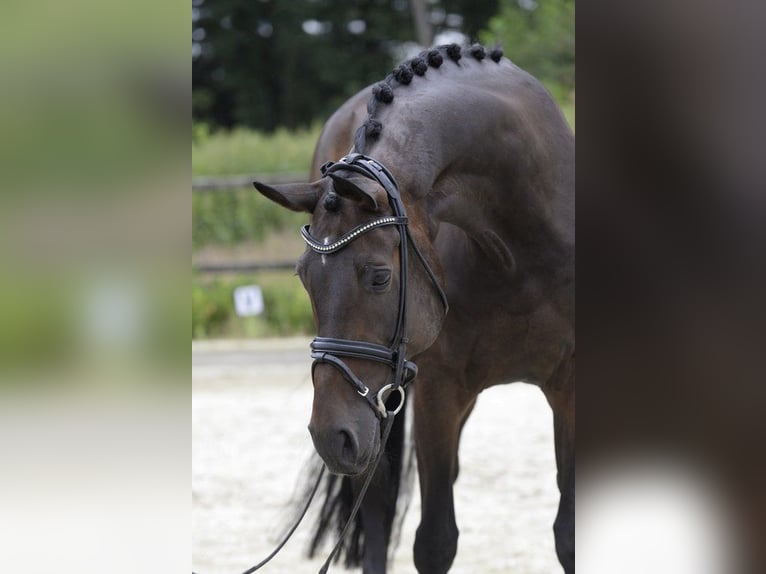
(394, 480)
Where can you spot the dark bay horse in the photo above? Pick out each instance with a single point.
(483, 162)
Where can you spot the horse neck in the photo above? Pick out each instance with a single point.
(482, 147)
(482, 174)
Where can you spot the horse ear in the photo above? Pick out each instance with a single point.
(295, 196)
(359, 189)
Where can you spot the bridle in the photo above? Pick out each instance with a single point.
(329, 350)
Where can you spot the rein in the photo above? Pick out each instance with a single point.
(329, 350)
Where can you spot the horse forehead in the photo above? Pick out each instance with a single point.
(325, 224)
(326, 227)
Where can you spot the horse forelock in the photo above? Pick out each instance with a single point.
(384, 91)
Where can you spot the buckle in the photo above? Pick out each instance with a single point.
(325, 167)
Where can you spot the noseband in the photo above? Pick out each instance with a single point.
(329, 350)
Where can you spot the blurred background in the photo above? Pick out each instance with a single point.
(94, 228)
(266, 75)
(95, 231)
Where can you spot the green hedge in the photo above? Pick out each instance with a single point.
(236, 216)
(242, 215)
(240, 151)
(287, 307)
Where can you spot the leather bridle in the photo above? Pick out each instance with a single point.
(330, 350)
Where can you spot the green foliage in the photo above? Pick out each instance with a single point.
(287, 307)
(200, 134)
(211, 308)
(37, 323)
(242, 151)
(474, 14)
(232, 217)
(568, 108)
(265, 64)
(285, 63)
(227, 218)
(539, 36)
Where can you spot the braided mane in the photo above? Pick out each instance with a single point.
(404, 74)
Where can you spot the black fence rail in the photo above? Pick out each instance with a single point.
(205, 183)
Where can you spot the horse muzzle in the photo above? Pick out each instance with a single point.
(345, 431)
(344, 449)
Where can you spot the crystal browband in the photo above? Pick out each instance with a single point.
(344, 239)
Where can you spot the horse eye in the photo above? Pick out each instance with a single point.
(381, 277)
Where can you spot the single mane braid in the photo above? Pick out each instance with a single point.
(435, 58)
(383, 92)
(419, 66)
(478, 51)
(453, 51)
(332, 202)
(372, 128)
(404, 75)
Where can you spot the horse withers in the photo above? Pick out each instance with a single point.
(456, 188)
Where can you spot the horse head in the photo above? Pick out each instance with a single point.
(371, 301)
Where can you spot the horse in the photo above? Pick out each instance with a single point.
(456, 191)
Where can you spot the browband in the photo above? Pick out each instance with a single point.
(349, 236)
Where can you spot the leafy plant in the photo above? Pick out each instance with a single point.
(244, 151)
(539, 36)
(236, 216)
(287, 307)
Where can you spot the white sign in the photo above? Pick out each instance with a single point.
(248, 300)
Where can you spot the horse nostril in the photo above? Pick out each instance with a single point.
(349, 446)
(338, 447)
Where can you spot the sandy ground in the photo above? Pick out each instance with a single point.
(251, 402)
